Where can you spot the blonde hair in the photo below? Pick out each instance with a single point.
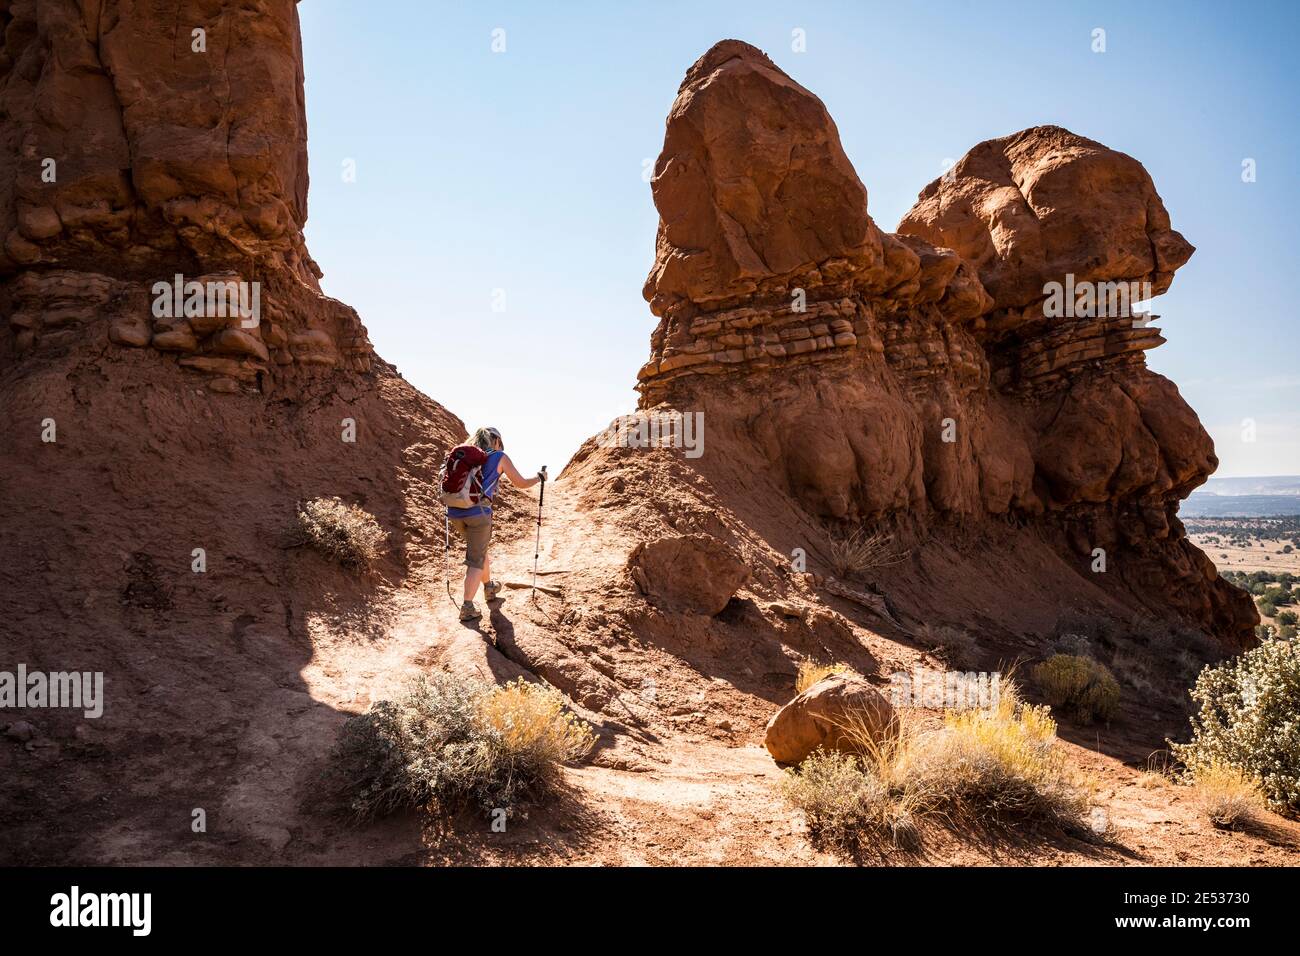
(483, 438)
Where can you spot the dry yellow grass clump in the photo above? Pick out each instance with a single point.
(1082, 687)
(859, 552)
(532, 726)
(810, 672)
(1231, 798)
(847, 806)
(992, 767)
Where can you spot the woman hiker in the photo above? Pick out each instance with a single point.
(474, 524)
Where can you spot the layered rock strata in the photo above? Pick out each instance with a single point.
(140, 156)
(985, 360)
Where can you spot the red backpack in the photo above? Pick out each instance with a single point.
(460, 481)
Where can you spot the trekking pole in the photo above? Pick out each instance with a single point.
(537, 547)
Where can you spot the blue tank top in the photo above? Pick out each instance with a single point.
(491, 477)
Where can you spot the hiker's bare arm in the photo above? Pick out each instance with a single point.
(516, 479)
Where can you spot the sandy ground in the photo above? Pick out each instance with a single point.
(701, 796)
(227, 689)
(1263, 555)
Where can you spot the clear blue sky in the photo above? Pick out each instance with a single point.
(522, 171)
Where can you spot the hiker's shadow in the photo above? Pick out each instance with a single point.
(491, 659)
(608, 729)
(502, 640)
(502, 635)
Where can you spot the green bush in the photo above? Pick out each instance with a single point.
(450, 741)
(1080, 686)
(1277, 595)
(1249, 719)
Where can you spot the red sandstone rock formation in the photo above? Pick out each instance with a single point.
(134, 152)
(152, 466)
(918, 374)
(674, 617)
(1029, 208)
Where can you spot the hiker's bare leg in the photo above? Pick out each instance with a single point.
(473, 577)
(487, 569)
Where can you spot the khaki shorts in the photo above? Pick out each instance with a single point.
(477, 532)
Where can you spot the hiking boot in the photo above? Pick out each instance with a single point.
(468, 612)
(491, 591)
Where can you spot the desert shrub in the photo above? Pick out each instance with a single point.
(412, 752)
(1286, 617)
(1248, 719)
(1140, 671)
(810, 672)
(1278, 596)
(1086, 632)
(1077, 645)
(1177, 653)
(1081, 687)
(341, 531)
(993, 767)
(449, 741)
(1229, 797)
(956, 648)
(847, 806)
(858, 552)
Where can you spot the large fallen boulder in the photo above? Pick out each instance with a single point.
(695, 573)
(841, 712)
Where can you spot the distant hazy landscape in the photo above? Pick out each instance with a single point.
(1250, 528)
(1247, 497)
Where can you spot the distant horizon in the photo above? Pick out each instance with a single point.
(1254, 495)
